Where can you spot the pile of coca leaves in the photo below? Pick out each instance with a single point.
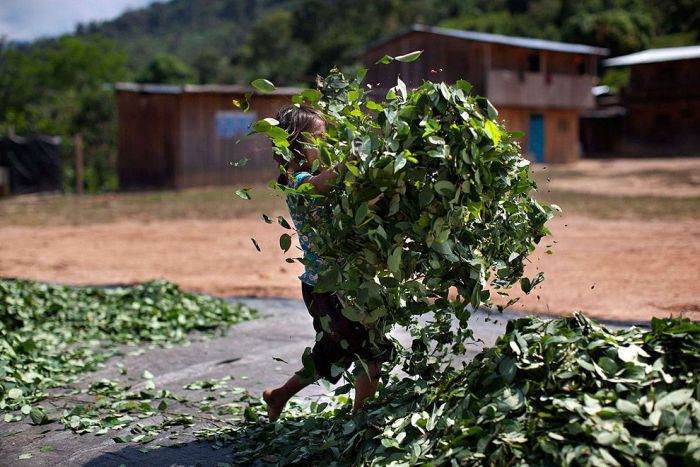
(50, 334)
(550, 392)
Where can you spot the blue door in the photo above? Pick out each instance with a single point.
(536, 137)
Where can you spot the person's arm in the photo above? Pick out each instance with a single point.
(323, 180)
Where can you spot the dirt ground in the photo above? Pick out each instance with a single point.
(675, 178)
(621, 269)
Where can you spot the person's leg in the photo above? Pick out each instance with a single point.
(366, 385)
(276, 399)
(316, 361)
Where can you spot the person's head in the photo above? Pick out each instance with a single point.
(297, 120)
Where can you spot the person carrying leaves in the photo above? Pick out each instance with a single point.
(340, 342)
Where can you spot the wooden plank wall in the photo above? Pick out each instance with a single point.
(148, 136)
(561, 131)
(562, 140)
(206, 157)
(558, 90)
(676, 80)
(661, 129)
(563, 81)
(511, 88)
(663, 110)
(444, 59)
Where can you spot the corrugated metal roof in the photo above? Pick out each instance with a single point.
(668, 54)
(201, 89)
(523, 42)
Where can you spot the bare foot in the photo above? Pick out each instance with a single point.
(274, 405)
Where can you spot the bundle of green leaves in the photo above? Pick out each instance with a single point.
(50, 333)
(549, 392)
(435, 205)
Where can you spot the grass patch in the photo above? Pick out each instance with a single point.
(671, 176)
(221, 203)
(619, 207)
(202, 203)
(540, 172)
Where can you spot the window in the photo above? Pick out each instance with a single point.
(533, 61)
(667, 76)
(662, 123)
(581, 67)
(563, 125)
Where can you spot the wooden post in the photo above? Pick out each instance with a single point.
(11, 131)
(78, 142)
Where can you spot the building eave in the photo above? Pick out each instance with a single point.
(513, 41)
(146, 88)
(668, 54)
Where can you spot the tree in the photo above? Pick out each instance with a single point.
(208, 65)
(501, 22)
(61, 87)
(271, 50)
(167, 69)
(678, 16)
(619, 30)
(80, 63)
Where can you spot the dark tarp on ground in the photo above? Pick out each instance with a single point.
(34, 163)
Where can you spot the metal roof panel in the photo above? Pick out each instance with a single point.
(667, 54)
(201, 89)
(514, 41)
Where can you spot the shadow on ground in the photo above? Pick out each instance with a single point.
(196, 453)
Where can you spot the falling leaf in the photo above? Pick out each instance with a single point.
(263, 85)
(409, 57)
(240, 163)
(243, 193)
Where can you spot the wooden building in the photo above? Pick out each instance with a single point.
(661, 102)
(539, 87)
(185, 136)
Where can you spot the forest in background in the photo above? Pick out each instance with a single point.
(62, 86)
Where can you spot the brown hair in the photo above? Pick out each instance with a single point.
(296, 120)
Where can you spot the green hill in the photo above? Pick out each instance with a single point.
(293, 40)
(185, 28)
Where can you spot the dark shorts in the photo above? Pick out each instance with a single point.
(342, 341)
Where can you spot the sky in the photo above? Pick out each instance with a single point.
(23, 20)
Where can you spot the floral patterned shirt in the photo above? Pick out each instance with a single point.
(304, 215)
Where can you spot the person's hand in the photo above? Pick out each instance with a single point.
(375, 200)
(339, 167)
